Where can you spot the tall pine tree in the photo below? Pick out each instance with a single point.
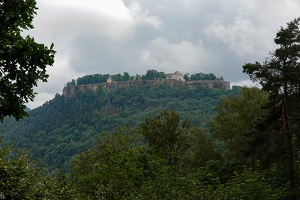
(279, 75)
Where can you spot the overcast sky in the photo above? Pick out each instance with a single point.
(190, 36)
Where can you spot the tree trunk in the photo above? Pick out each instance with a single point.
(288, 138)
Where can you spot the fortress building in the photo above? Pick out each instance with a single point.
(177, 76)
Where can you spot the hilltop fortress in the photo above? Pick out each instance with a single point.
(172, 80)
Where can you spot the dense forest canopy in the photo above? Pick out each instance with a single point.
(70, 124)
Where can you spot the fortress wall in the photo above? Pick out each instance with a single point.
(72, 90)
(218, 84)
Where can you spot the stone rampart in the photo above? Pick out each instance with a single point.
(218, 84)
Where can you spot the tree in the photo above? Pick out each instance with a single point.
(279, 76)
(22, 179)
(126, 77)
(167, 134)
(153, 74)
(201, 149)
(248, 185)
(22, 61)
(235, 121)
(186, 77)
(117, 168)
(18, 177)
(202, 76)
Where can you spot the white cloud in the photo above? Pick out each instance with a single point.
(107, 18)
(59, 75)
(271, 13)
(40, 99)
(141, 17)
(247, 83)
(69, 19)
(66, 22)
(174, 56)
(113, 36)
(253, 26)
(111, 8)
(242, 36)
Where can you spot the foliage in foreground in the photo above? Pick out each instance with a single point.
(126, 165)
(122, 166)
(23, 61)
(22, 179)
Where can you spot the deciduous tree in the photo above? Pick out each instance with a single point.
(167, 134)
(235, 121)
(22, 60)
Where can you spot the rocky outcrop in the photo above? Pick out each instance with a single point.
(71, 91)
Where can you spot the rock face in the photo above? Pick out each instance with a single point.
(71, 91)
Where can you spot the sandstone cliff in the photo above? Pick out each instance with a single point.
(218, 84)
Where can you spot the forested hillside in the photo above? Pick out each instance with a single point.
(147, 141)
(62, 127)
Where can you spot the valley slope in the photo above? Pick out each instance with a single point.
(62, 127)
